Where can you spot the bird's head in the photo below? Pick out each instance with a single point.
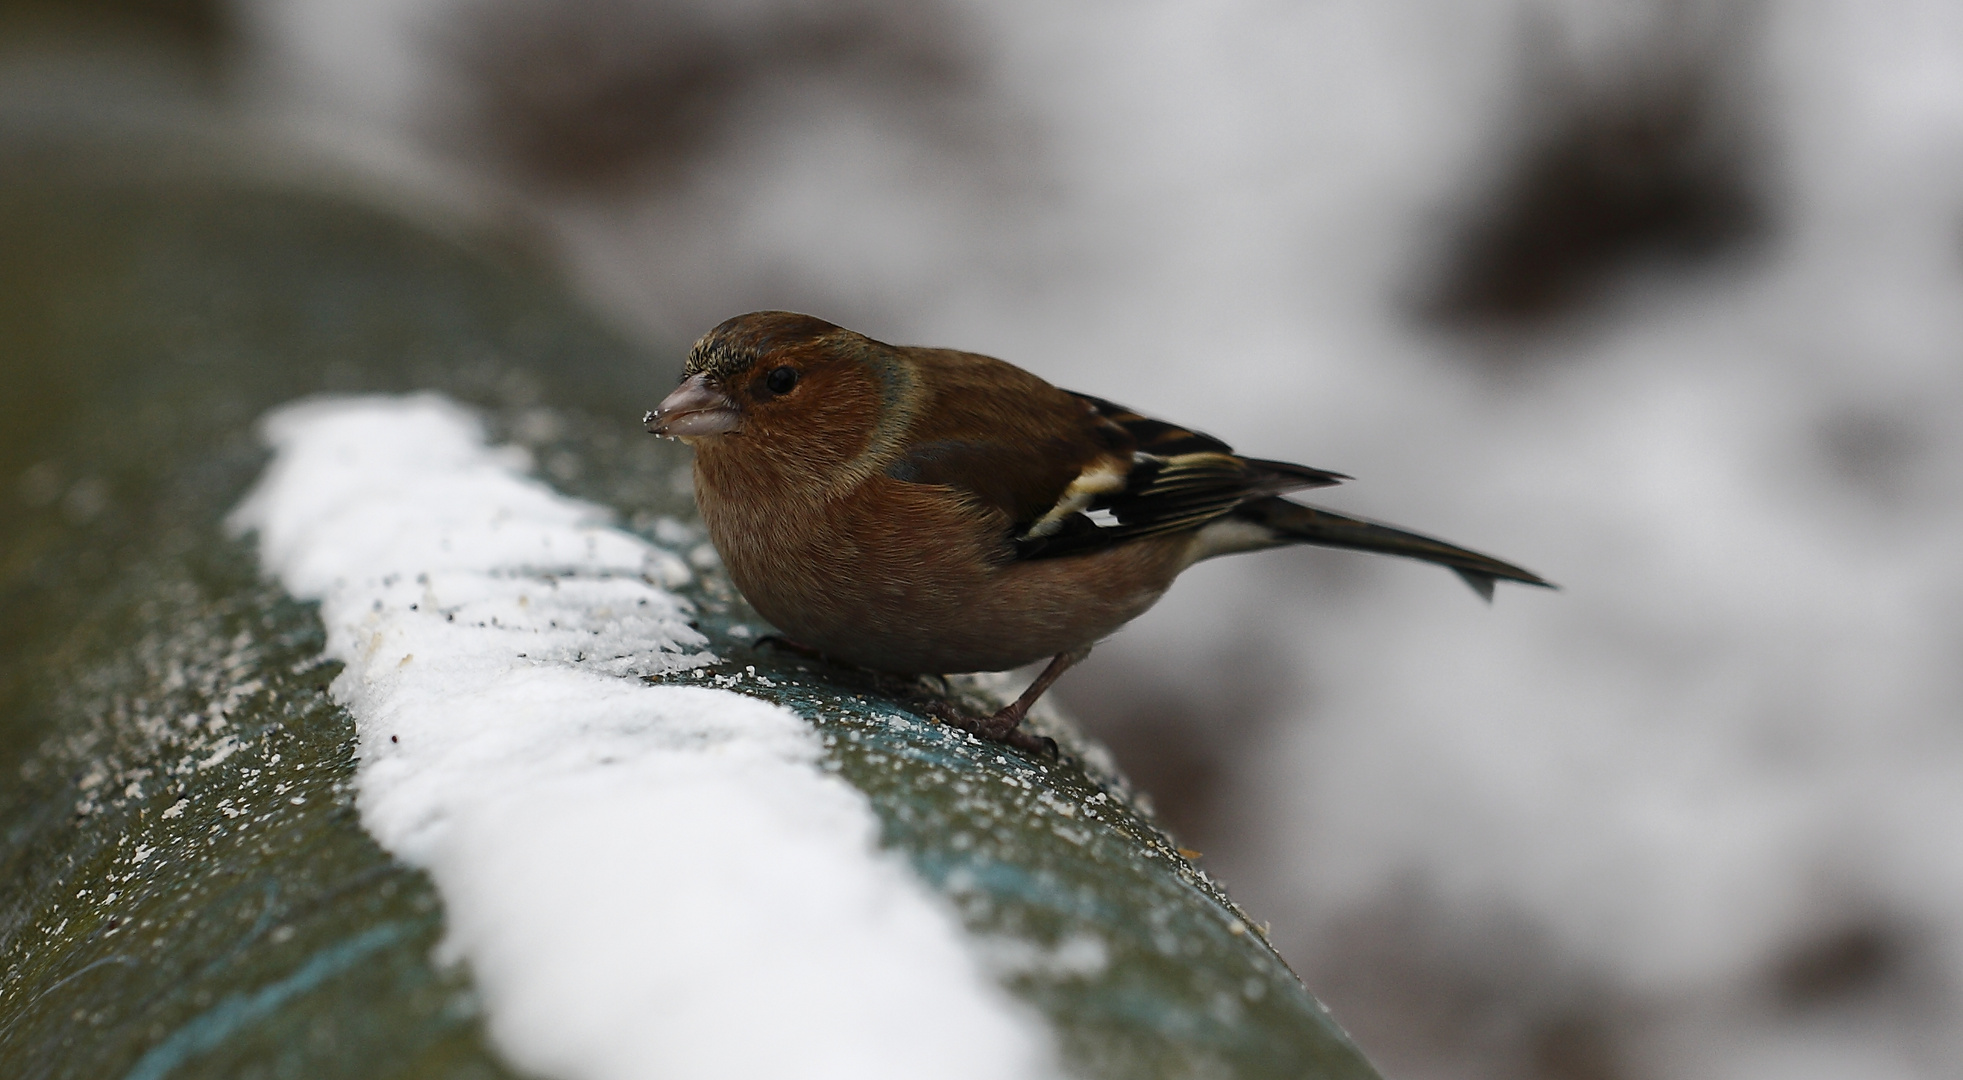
(781, 384)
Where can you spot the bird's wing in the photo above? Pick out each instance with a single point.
(1068, 473)
(1173, 479)
(1009, 442)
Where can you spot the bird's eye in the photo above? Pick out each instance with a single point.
(781, 380)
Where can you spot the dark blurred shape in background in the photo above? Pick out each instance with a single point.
(1656, 159)
(607, 92)
(194, 36)
(199, 25)
(1507, 1007)
(1850, 963)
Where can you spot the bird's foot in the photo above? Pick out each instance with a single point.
(1004, 726)
(784, 644)
(904, 687)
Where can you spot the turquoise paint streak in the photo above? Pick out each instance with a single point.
(212, 1027)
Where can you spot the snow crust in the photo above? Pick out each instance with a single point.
(645, 881)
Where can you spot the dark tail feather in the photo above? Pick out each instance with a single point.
(1481, 583)
(1293, 522)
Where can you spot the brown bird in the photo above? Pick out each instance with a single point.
(929, 511)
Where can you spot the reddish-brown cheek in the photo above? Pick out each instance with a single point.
(821, 426)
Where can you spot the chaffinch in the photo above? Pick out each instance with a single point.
(927, 511)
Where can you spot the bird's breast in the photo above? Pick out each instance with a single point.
(916, 578)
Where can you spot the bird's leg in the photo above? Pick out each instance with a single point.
(1012, 716)
(1006, 726)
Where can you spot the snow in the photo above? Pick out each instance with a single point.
(644, 880)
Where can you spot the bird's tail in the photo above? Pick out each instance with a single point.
(1291, 522)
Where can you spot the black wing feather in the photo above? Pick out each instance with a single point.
(1179, 479)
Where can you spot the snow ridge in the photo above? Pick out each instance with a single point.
(644, 880)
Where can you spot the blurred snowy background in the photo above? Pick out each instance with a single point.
(1660, 298)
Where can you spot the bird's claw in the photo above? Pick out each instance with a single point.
(1002, 727)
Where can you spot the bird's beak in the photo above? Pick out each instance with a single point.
(694, 410)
